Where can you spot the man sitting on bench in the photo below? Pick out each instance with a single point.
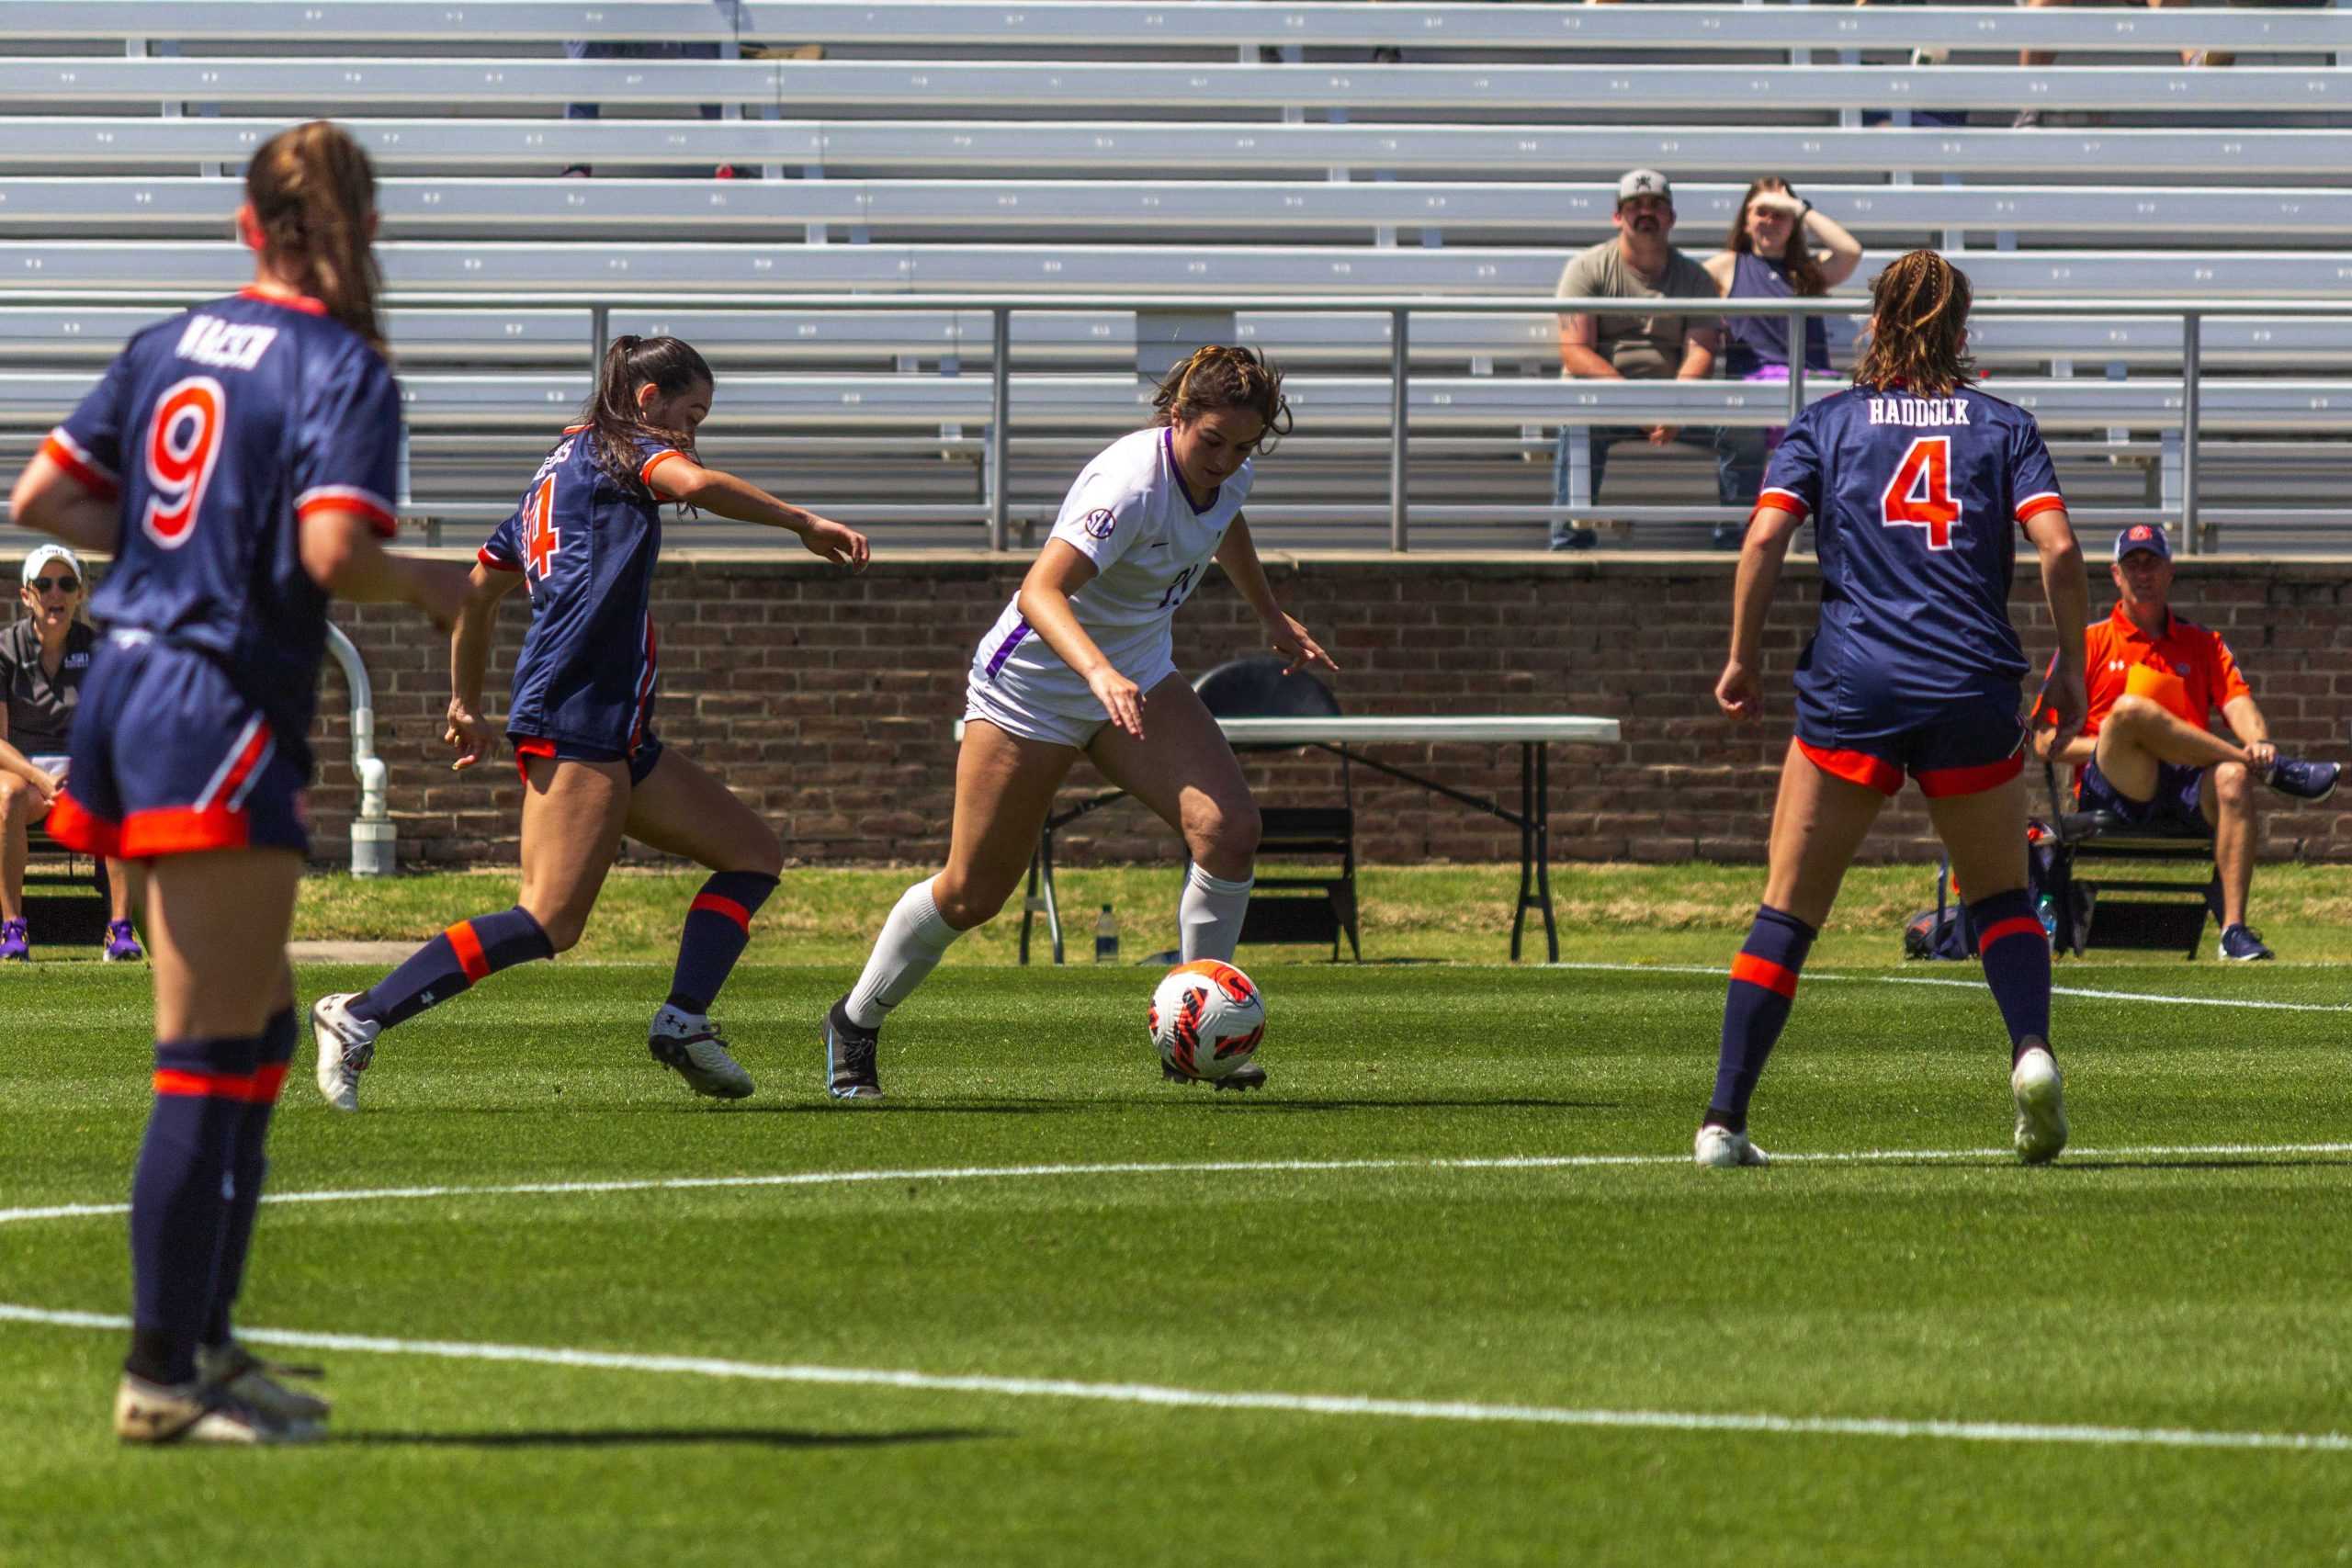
(2147, 755)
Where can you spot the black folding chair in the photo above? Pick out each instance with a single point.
(2124, 912)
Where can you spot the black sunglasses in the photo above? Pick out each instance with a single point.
(63, 585)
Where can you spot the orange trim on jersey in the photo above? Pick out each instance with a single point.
(496, 563)
(85, 471)
(72, 824)
(2015, 925)
(712, 903)
(365, 504)
(302, 302)
(1943, 783)
(1780, 500)
(468, 947)
(1774, 977)
(529, 747)
(2035, 505)
(259, 1088)
(183, 830)
(1855, 767)
(645, 470)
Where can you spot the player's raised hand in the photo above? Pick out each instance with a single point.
(839, 545)
(1120, 698)
(1738, 693)
(1289, 639)
(468, 733)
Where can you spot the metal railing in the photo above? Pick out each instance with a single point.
(2191, 314)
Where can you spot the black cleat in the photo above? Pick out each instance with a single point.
(1248, 1075)
(849, 1056)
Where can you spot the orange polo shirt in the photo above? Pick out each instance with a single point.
(2187, 669)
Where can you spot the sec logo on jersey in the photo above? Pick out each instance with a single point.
(1101, 521)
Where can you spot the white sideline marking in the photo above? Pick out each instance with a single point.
(1190, 1168)
(1210, 1399)
(1969, 985)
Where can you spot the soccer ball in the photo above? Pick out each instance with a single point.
(1206, 1019)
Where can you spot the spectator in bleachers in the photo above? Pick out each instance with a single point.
(1779, 248)
(2029, 119)
(43, 657)
(1635, 345)
(595, 48)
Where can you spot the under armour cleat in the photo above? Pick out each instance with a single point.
(347, 1047)
(247, 1379)
(849, 1071)
(2244, 945)
(195, 1412)
(690, 1044)
(1720, 1148)
(2038, 1089)
(2303, 781)
(121, 945)
(16, 942)
(1248, 1075)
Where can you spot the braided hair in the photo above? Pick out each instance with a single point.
(1918, 333)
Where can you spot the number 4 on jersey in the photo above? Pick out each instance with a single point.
(1919, 495)
(541, 538)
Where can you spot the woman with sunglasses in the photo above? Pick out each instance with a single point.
(42, 659)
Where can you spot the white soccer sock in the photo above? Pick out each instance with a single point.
(1209, 914)
(914, 940)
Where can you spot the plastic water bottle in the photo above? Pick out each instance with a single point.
(1106, 937)
(2048, 909)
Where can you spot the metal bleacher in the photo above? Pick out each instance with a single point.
(958, 153)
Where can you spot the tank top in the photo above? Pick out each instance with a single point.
(1753, 343)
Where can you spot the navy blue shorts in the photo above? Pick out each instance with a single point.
(2178, 801)
(169, 759)
(1964, 747)
(640, 761)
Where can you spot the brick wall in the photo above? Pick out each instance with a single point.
(827, 701)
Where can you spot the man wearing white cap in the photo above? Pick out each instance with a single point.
(42, 659)
(1636, 344)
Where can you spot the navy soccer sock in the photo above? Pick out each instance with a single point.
(1763, 989)
(248, 1168)
(2016, 951)
(180, 1196)
(463, 956)
(718, 924)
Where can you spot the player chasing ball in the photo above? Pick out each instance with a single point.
(585, 540)
(238, 462)
(1080, 662)
(1915, 480)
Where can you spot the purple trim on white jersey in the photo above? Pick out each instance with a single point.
(1004, 649)
(1168, 445)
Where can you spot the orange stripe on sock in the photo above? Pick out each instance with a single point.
(714, 904)
(468, 950)
(2015, 925)
(1765, 973)
(256, 1089)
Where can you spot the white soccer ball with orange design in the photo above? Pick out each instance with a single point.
(1206, 1019)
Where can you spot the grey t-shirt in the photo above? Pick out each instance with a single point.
(41, 707)
(1643, 347)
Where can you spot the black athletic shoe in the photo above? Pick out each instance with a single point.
(849, 1056)
(2304, 781)
(1248, 1075)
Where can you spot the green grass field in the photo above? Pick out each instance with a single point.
(1456, 1294)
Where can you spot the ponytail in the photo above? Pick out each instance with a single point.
(611, 414)
(1918, 331)
(313, 195)
(1219, 378)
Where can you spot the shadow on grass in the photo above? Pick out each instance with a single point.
(662, 1436)
(1257, 1105)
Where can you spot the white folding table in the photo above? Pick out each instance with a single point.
(1533, 734)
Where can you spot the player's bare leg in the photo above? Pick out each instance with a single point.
(682, 809)
(573, 816)
(1818, 821)
(1184, 768)
(1004, 790)
(1985, 835)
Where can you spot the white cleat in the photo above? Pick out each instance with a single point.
(2038, 1089)
(346, 1045)
(1720, 1148)
(690, 1044)
(152, 1412)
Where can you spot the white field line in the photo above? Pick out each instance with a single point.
(1189, 1168)
(1162, 1396)
(1970, 985)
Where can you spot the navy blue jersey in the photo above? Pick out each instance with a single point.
(221, 430)
(586, 546)
(1916, 504)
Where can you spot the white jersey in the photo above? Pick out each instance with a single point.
(1130, 516)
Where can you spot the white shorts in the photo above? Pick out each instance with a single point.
(1058, 719)
(51, 763)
